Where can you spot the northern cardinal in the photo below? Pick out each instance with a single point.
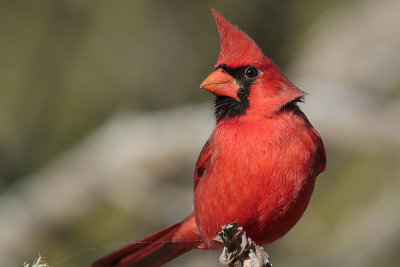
(258, 167)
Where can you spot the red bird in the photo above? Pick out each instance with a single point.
(258, 167)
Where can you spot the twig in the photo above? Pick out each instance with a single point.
(240, 250)
(38, 262)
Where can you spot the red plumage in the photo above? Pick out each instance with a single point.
(258, 167)
(237, 48)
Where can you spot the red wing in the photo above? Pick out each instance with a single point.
(202, 162)
(321, 158)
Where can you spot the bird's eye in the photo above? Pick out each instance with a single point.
(251, 72)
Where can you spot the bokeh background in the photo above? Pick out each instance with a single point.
(101, 122)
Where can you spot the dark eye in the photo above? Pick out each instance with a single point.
(251, 72)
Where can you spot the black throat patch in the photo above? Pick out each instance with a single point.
(228, 107)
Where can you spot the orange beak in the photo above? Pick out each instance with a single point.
(222, 84)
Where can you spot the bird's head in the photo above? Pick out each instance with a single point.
(245, 81)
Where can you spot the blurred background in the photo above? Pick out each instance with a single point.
(102, 119)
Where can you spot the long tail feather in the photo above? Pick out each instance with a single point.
(154, 250)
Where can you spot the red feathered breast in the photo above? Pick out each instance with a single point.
(259, 173)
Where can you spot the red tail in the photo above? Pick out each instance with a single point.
(154, 250)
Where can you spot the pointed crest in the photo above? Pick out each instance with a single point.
(237, 48)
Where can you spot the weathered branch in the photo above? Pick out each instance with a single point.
(240, 250)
